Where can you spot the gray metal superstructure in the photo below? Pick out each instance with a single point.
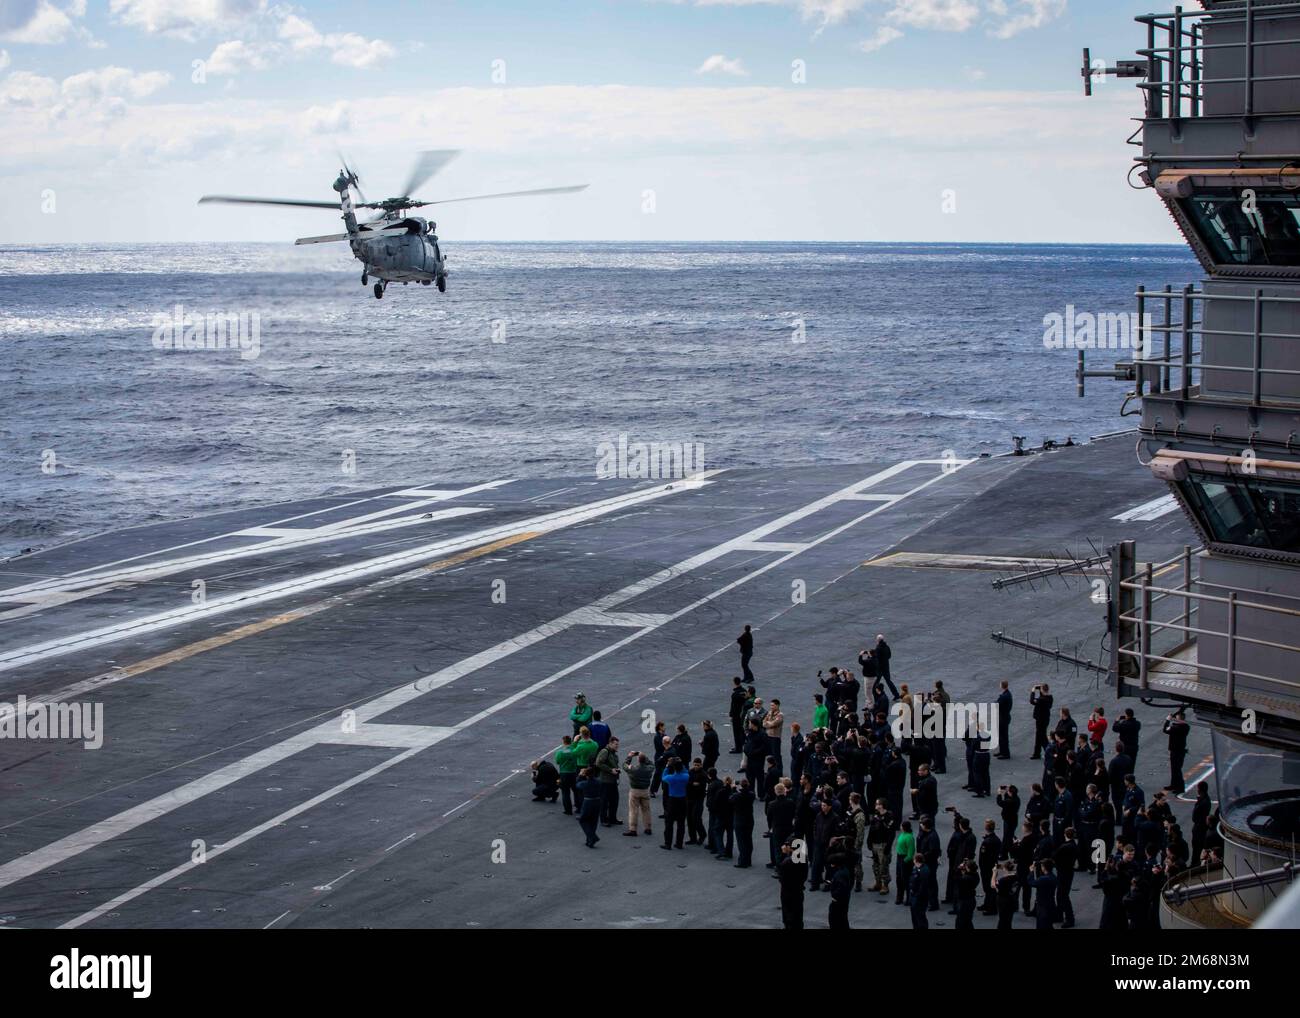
(1217, 378)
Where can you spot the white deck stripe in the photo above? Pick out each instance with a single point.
(1148, 511)
(357, 570)
(290, 538)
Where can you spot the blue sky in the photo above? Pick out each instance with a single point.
(684, 117)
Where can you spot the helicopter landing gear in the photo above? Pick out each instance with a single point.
(379, 290)
(365, 278)
(442, 284)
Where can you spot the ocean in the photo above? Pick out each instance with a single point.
(760, 354)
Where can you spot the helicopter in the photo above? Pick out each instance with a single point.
(392, 246)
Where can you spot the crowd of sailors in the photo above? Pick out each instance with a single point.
(850, 802)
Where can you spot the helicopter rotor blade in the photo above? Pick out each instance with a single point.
(508, 194)
(299, 203)
(426, 165)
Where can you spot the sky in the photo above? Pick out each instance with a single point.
(697, 120)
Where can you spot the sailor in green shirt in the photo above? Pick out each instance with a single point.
(567, 764)
(581, 714)
(904, 850)
(821, 715)
(584, 751)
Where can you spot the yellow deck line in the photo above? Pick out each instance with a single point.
(253, 628)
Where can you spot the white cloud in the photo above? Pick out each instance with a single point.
(346, 48)
(883, 36)
(185, 18)
(937, 15)
(25, 90)
(335, 119)
(1022, 15)
(4, 59)
(719, 64)
(1003, 18)
(39, 22)
(105, 91)
(353, 50)
(235, 56)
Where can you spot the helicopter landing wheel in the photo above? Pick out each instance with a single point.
(365, 278)
(442, 284)
(379, 290)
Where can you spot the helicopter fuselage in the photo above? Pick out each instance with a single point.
(413, 257)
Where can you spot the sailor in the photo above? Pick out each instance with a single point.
(990, 851)
(925, 794)
(881, 828)
(1062, 809)
(983, 762)
(746, 642)
(967, 884)
(780, 821)
(639, 773)
(919, 892)
(1129, 729)
(1121, 764)
(589, 809)
(904, 853)
(928, 847)
(1008, 886)
(1089, 814)
(1045, 887)
(1041, 701)
(712, 790)
(697, 783)
(674, 782)
(581, 713)
(797, 752)
(1009, 803)
(567, 766)
(883, 654)
(1004, 722)
(584, 752)
(772, 724)
(1177, 728)
(792, 871)
(742, 819)
(608, 767)
(600, 732)
(546, 781)
(709, 748)
(1066, 860)
(841, 886)
(737, 713)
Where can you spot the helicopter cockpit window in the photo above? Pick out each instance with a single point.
(1250, 226)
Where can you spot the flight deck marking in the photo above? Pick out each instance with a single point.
(96, 834)
(148, 570)
(1148, 511)
(77, 689)
(557, 520)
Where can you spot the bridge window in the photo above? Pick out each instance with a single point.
(1247, 226)
(1256, 512)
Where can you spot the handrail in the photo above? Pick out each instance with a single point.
(1178, 366)
(1176, 83)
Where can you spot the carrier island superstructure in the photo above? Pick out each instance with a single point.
(1217, 381)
